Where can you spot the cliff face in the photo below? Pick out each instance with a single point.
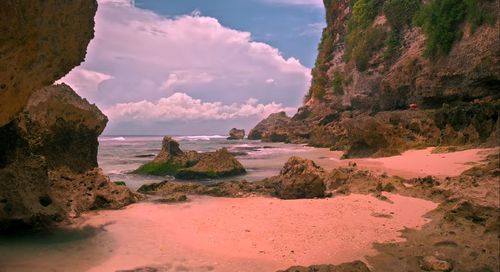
(393, 75)
(48, 135)
(48, 166)
(40, 42)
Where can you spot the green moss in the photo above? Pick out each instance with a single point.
(159, 169)
(362, 44)
(338, 84)
(441, 21)
(399, 13)
(362, 39)
(392, 45)
(120, 183)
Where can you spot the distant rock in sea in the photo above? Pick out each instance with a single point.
(236, 134)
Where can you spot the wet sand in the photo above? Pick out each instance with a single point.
(254, 234)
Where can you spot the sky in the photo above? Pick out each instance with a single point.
(197, 67)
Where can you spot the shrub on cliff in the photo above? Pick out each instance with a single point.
(441, 21)
(363, 40)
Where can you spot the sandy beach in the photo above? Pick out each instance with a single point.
(410, 164)
(256, 233)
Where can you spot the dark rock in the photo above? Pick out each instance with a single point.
(272, 129)
(300, 178)
(236, 134)
(216, 164)
(356, 266)
(431, 263)
(48, 162)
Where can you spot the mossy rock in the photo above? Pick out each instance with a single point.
(159, 169)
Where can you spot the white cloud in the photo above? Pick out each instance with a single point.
(182, 107)
(84, 81)
(138, 55)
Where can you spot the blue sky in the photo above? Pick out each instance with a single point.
(294, 29)
(197, 67)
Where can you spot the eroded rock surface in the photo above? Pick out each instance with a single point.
(41, 42)
(48, 163)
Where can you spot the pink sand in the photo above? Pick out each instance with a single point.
(417, 163)
(254, 234)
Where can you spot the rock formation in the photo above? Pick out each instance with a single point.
(299, 178)
(382, 84)
(48, 164)
(41, 42)
(190, 164)
(236, 134)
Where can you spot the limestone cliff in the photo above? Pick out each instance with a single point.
(40, 42)
(397, 74)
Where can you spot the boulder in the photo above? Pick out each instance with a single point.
(48, 162)
(431, 263)
(236, 134)
(356, 266)
(300, 178)
(216, 164)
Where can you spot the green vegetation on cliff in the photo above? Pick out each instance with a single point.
(362, 39)
(441, 21)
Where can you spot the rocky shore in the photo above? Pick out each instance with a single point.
(464, 228)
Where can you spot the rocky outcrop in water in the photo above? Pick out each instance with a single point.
(48, 164)
(382, 84)
(190, 164)
(236, 134)
(41, 42)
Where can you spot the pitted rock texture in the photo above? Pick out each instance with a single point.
(40, 42)
(48, 162)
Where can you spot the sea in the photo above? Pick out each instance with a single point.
(118, 156)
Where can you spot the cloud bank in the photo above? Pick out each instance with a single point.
(178, 66)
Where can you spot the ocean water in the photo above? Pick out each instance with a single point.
(119, 155)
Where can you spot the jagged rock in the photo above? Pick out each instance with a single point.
(216, 164)
(41, 42)
(272, 129)
(49, 157)
(300, 178)
(190, 164)
(236, 134)
(431, 263)
(166, 189)
(356, 266)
